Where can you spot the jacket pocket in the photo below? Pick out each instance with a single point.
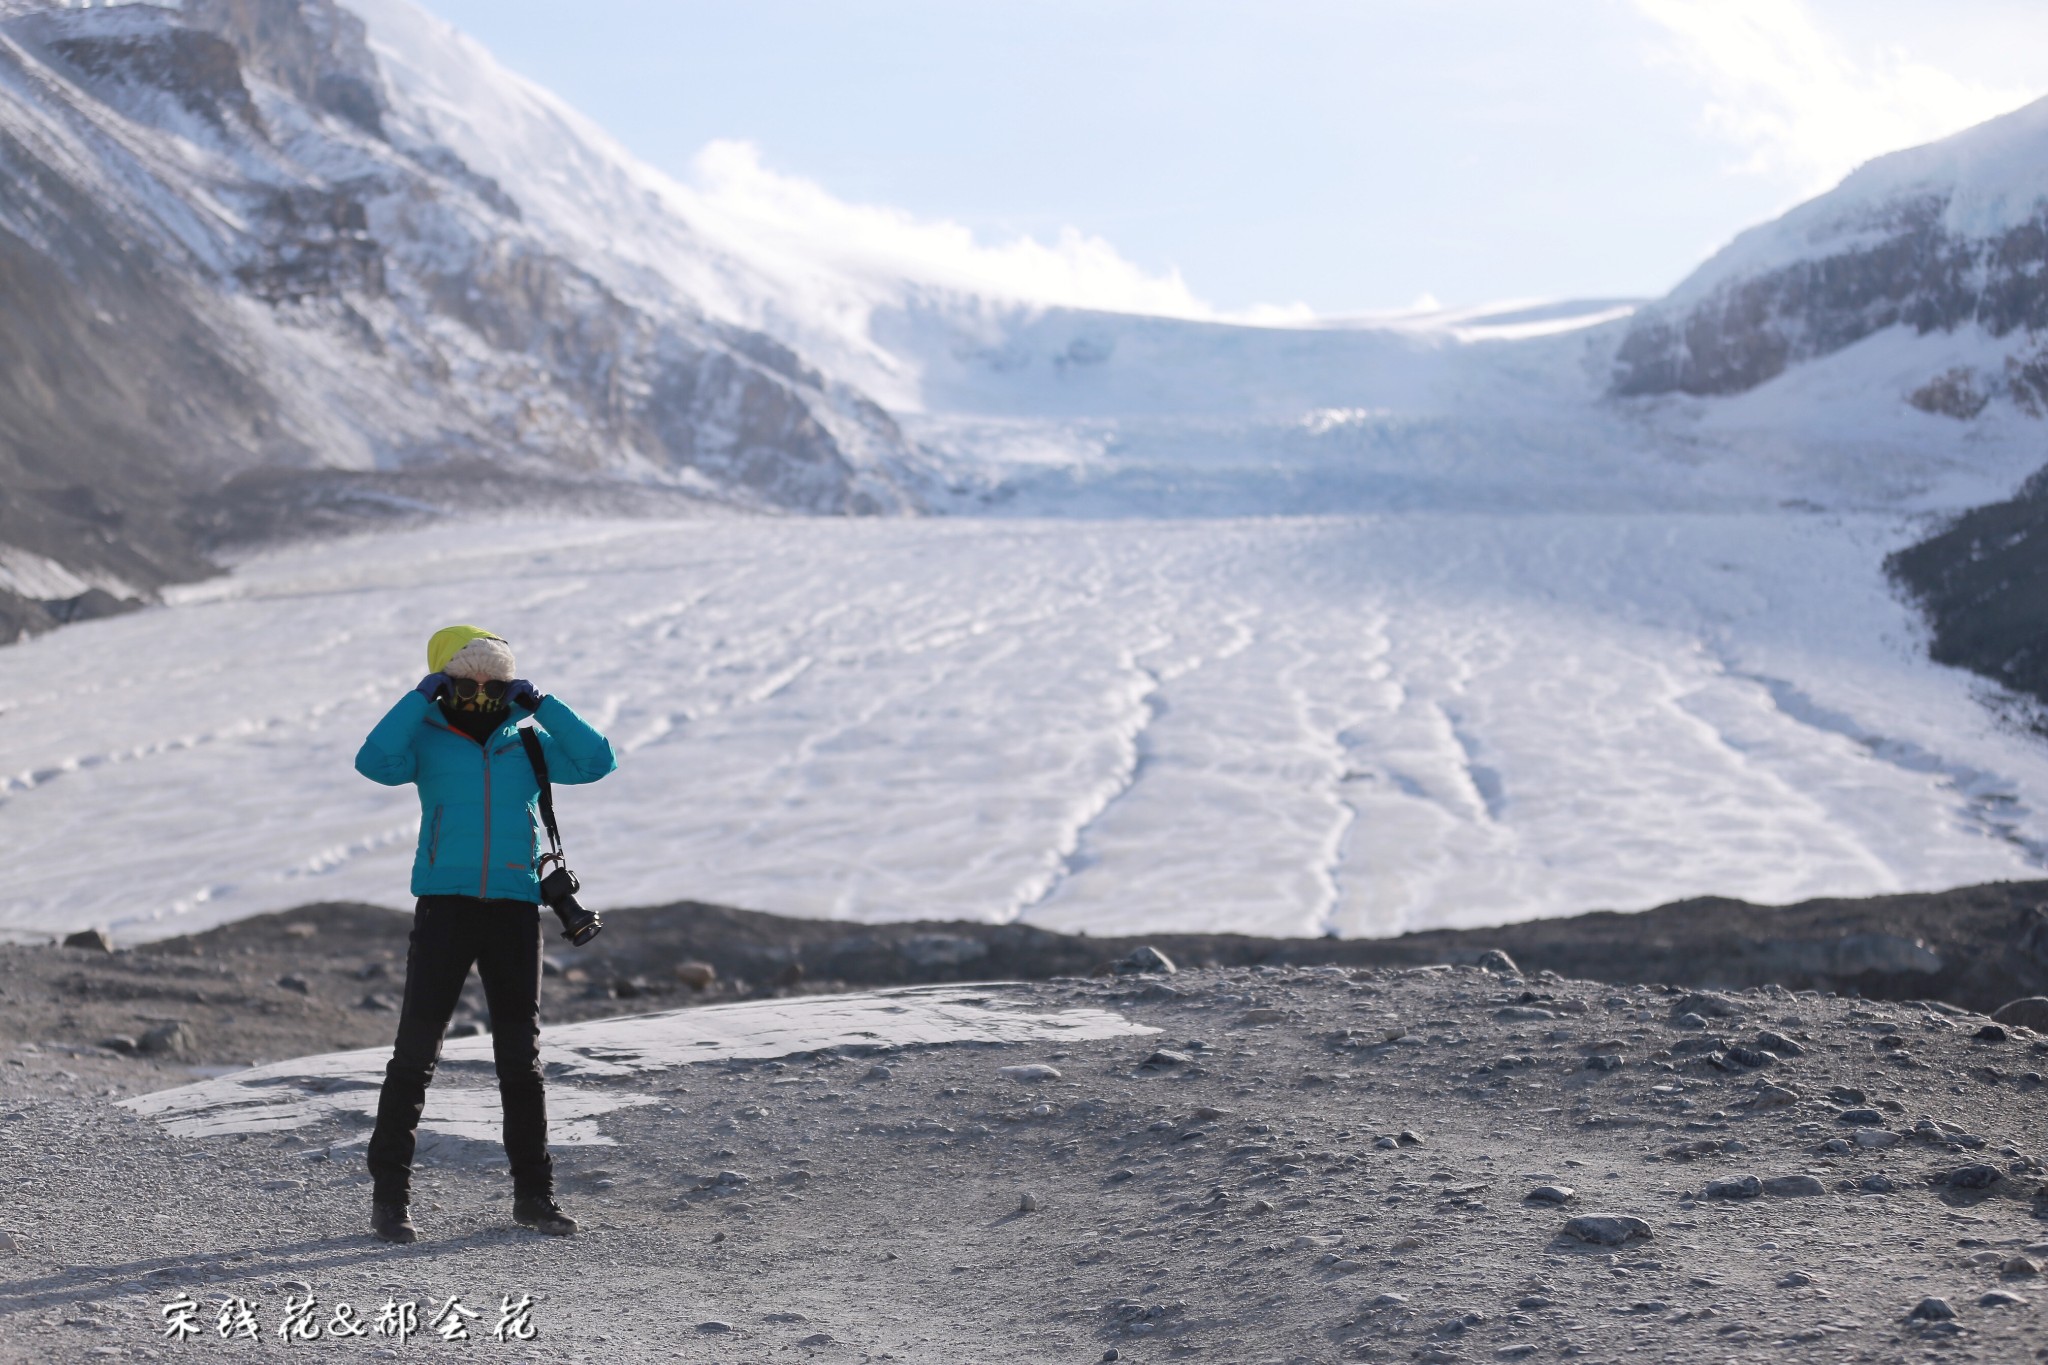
(434, 839)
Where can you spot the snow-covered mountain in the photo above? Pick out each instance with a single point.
(1942, 239)
(1017, 404)
(227, 247)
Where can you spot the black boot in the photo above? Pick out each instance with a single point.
(541, 1213)
(393, 1222)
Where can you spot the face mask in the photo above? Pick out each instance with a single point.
(478, 724)
(467, 694)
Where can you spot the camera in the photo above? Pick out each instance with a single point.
(559, 890)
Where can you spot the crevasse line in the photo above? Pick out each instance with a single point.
(1069, 849)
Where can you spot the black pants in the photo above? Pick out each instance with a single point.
(502, 937)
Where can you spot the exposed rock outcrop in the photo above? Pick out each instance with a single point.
(1933, 239)
(1904, 268)
(1975, 947)
(1982, 583)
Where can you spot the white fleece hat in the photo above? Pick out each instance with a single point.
(486, 658)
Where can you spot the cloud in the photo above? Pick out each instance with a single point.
(1798, 103)
(800, 220)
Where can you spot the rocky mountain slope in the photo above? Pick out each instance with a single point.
(1939, 238)
(227, 253)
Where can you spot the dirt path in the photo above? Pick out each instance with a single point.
(1247, 1196)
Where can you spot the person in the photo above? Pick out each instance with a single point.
(456, 737)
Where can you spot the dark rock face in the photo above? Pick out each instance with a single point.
(200, 70)
(1982, 584)
(1953, 393)
(1914, 273)
(316, 244)
(140, 394)
(314, 48)
(21, 617)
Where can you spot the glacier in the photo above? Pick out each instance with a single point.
(1281, 725)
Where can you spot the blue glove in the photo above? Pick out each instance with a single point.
(523, 694)
(433, 687)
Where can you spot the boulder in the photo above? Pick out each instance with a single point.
(2027, 1012)
(1606, 1229)
(1141, 959)
(696, 975)
(1734, 1187)
(168, 1040)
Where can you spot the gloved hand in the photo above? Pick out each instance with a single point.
(433, 687)
(523, 694)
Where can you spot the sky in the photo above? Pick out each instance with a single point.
(1277, 158)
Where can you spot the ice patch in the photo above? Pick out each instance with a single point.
(33, 575)
(343, 1086)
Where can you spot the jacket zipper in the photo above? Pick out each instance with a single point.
(483, 876)
(434, 844)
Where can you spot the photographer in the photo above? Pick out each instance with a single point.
(476, 874)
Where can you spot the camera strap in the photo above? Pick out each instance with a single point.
(535, 756)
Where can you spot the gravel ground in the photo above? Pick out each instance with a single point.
(1306, 1165)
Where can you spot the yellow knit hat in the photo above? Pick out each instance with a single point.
(446, 643)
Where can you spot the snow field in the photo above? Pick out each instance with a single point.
(1284, 726)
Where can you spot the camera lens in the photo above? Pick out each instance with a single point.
(579, 926)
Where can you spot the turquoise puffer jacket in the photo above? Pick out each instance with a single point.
(480, 830)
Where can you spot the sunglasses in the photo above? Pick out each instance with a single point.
(467, 688)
